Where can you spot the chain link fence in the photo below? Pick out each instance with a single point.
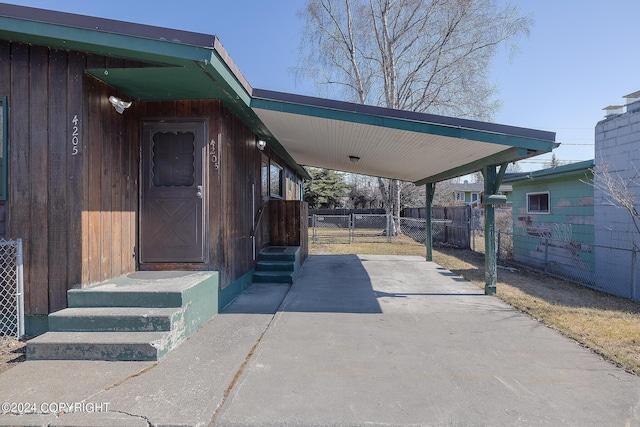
(376, 228)
(615, 271)
(371, 228)
(11, 290)
(330, 228)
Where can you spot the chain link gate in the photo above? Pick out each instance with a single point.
(11, 290)
(331, 228)
(370, 228)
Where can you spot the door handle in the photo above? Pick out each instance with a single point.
(199, 191)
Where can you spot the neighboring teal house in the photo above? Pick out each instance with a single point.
(553, 219)
(469, 192)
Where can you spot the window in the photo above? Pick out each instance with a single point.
(538, 202)
(4, 140)
(173, 159)
(275, 180)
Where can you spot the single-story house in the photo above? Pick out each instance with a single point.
(553, 219)
(469, 192)
(129, 148)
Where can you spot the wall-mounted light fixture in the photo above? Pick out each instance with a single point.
(119, 104)
(261, 144)
(354, 159)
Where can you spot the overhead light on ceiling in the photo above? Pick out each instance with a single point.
(261, 144)
(119, 104)
(354, 159)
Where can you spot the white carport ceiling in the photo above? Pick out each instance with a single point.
(390, 143)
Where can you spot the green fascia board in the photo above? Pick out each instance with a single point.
(159, 84)
(402, 124)
(578, 168)
(506, 156)
(101, 43)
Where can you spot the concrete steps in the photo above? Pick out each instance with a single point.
(141, 316)
(277, 264)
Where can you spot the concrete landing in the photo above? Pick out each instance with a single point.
(141, 316)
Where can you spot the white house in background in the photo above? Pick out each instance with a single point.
(469, 192)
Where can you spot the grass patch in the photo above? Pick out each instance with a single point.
(608, 325)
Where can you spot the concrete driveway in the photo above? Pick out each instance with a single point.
(356, 341)
(386, 340)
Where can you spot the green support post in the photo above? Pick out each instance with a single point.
(492, 181)
(490, 264)
(428, 241)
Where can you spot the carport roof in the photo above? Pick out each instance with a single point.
(166, 64)
(391, 143)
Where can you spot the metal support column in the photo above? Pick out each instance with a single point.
(428, 240)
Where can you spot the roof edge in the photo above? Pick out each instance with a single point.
(403, 115)
(571, 168)
(105, 25)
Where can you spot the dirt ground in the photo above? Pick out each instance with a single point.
(12, 351)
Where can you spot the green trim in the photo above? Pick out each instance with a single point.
(35, 325)
(98, 42)
(552, 173)
(234, 289)
(406, 125)
(430, 190)
(4, 149)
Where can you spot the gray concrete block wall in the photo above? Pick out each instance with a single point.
(617, 148)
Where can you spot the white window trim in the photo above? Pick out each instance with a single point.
(548, 211)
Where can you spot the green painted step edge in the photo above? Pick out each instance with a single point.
(95, 319)
(275, 266)
(91, 298)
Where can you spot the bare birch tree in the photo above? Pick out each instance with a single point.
(419, 55)
(620, 192)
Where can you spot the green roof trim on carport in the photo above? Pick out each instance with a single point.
(474, 143)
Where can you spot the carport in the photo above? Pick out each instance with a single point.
(421, 148)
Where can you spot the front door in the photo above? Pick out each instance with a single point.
(172, 209)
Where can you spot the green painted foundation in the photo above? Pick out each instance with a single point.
(35, 325)
(234, 289)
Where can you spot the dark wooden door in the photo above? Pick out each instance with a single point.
(172, 213)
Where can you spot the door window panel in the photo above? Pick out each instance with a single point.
(173, 159)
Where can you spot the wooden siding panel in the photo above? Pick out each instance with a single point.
(5, 90)
(38, 113)
(20, 165)
(94, 162)
(77, 220)
(58, 137)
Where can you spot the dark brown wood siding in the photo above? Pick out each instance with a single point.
(240, 197)
(74, 202)
(74, 205)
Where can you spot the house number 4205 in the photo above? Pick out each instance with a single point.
(75, 136)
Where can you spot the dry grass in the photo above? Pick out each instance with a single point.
(608, 325)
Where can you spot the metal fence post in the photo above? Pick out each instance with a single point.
(352, 230)
(389, 220)
(19, 288)
(546, 254)
(633, 275)
(313, 228)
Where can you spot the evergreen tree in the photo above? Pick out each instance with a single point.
(326, 189)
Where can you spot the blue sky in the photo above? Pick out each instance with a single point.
(581, 55)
